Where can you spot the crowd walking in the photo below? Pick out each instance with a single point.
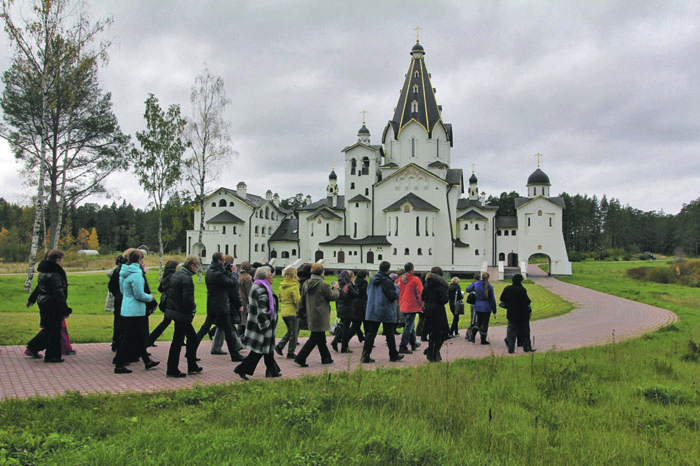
(243, 310)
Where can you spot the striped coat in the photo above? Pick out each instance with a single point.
(260, 331)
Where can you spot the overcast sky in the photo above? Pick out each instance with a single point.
(608, 91)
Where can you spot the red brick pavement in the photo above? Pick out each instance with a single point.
(592, 322)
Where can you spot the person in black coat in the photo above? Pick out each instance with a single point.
(360, 306)
(345, 311)
(113, 287)
(220, 280)
(51, 293)
(455, 295)
(168, 271)
(517, 303)
(434, 297)
(181, 308)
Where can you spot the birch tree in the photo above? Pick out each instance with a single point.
(208, 134)
(158, 163)
(57, 33)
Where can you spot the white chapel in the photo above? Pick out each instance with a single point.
(401, 201)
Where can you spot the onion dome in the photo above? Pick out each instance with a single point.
(332, 176)
(538, 177)
(472, 179)
(363, 130)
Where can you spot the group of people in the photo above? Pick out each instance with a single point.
(245, 312)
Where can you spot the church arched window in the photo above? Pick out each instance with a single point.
(353, 166)
(415, 88)
(414, 107)
(352, 185)
(365, 165)
(222, 203)
(416, 74)
(413, 147)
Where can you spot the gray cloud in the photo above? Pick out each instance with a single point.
(607, 91)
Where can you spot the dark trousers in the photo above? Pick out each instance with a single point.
(356, 329)
(518, 330)
(119, 325)
(344, 336)
(248, 365)
(183, 330)
(371, 329)
(316, 339)
(133, 342)
(49, 337)
(224, 323)
(292, 323)
(482, 322)
(454, 329)
(158, 331)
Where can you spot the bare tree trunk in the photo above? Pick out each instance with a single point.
(160, 243)
(201, 230)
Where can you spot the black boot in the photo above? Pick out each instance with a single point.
(484, 341)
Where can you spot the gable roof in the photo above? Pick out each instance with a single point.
(287, 231)
(472, 215)
(225, 217)
(466, 203)
(325, 202)
(507, 221)
(417, 202)
(325, 213)
(359, 198)
(521, 201)
(412, 166)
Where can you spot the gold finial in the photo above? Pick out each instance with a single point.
(473, 168)
(417, 29)
(364, 114)
(539, 156)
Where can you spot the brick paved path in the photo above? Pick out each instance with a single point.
(592, 322)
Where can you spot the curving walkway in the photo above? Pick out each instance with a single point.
(594, 320)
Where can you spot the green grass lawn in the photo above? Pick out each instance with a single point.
(630, 403)
(89, 323)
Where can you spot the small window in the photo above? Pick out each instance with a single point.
(222, 203)
(476, 226)
(256, 229)
(550, 221)
(353, 166)
(528, 221)
(420, 251)
(430, 251)
(416, 74)
(366, 191)
(256, 248)
(213, 204)
(230, 204)
(414, 107)
(223, 232)
(285, 254)
(499, 233)
(476, 252)
(415, 88)
(505, 232)
(262, 247)
(512, 233)
(379, 257)
(539, 213)
(406, 252)
(466, 226)
(294, 252)
(328, 229)
(501, 256)
(357, 204)
(417, 226)
(394, 251)
(352, 185)
(234, 229)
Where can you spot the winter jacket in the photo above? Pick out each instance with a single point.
(113, 287)
(516, 301)
(345, 306)
(260, 331)
(218, 281)
(132, 285)
(163, 287)
(410, 289)
(454, 293)
(381, 296)
(51, 292)
(360, 304)
(289, 298)
(319, 295)
(483, 303)
(180, 303)
(435, 297)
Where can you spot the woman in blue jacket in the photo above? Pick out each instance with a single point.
(132, 285)
(485, 305)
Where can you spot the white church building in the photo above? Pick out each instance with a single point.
(401, 201)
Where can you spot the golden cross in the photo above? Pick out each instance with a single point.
(364, 114)
(539, 156)
(417, 29)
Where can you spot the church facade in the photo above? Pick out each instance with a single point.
(401, 201)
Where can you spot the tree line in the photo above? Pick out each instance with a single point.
(592, 227)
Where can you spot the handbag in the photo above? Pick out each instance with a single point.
(471, 298)
(459, 308)
(336, 327)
